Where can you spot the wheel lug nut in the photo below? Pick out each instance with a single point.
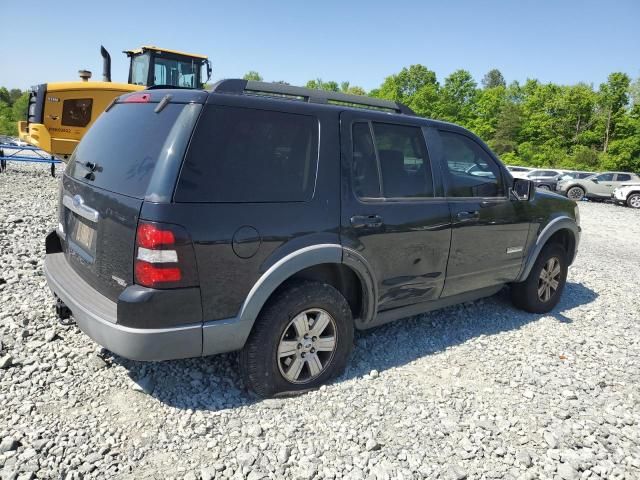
(299, 346)
(302, 354)
(314, 339)
(313, 350)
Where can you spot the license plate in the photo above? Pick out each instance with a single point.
(84, 235)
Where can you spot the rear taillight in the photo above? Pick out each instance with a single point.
(164, 256)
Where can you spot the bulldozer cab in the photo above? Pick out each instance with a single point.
(151, 66)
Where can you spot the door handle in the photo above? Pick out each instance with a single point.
(466, 216)
(366, 221)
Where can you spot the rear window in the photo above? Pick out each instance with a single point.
(248, 155)
(120, 150)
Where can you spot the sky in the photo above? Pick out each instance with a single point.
(357, 41)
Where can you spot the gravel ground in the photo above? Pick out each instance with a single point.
(479, 390)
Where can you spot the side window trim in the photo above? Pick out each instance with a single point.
(444, 167)
(378, 166)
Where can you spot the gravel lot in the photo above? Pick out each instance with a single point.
(474, 391)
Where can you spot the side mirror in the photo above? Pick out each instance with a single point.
(522, 189)
(594, 180)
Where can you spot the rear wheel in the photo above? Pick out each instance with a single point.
(634, 200)
(576, 193)
(544, 187)
(301, 339)
(542, 289)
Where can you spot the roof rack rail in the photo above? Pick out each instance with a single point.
(239, 86)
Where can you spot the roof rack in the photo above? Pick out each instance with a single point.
(309, 95)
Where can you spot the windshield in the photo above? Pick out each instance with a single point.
(177, 73)
(140, 69)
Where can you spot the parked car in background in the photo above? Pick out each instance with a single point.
(517, 171)
(544, 179)
(627, 194)
(597, 187)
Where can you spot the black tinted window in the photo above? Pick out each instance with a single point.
(402, 162)
(366, 183)
(120, 150)
(247, 155)
(77, 112)
(623, 177)
(405, 167)
(605, 177)
(471, 172)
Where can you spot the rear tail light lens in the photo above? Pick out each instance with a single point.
(164, 256)
(151, 236)
(150, 275)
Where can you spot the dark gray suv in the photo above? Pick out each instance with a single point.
(275, 220)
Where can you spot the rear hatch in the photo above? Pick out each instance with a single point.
(110, 174)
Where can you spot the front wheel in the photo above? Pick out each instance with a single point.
(542, 289)
(634, 200)
(301, 340)
(576, 193)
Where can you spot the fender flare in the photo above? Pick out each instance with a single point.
(281, 270)
(360, 266)
(231, 334)
(555, 225)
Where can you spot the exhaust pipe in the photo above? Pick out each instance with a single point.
(106, 64)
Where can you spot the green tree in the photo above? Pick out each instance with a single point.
(19, 107)
(7, 125)
(252, 75)
(614, 97)
(404, 85)
(493, 78)
(507, 131)
(458, 96)
(319, 84)
(488, 105)
(634, 92)
(5, 96)
(15, 94)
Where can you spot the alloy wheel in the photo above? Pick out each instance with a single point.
(307, 346)
(575, 193)
(549, 279)
(634, 201)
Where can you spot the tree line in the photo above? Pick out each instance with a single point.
(13, 107)
(533, 124)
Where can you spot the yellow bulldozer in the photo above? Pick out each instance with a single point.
(60, 113)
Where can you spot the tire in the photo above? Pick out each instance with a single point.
(633, 200)
(575, 193)
(276, 349)
(544, 187)
(526, 295)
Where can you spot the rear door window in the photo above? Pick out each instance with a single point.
(119, 152)
(248, 155)
(399, 160)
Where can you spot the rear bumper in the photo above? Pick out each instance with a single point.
(97, 316)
